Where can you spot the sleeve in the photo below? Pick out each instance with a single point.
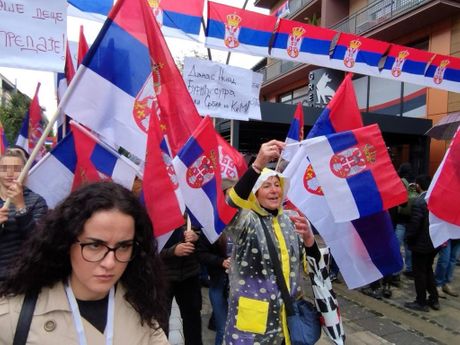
(35, 211)
(239, 194)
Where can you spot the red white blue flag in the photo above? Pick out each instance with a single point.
(355, 173)
(237, 30)
(356, 245)
(114, 89)
(79, 157)
(178, 18)
(444, 196)
(358, 54)
(295, 134)
(302, 42)
(198, 169)
(32, 127)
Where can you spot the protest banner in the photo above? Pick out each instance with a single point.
(223, 91)
(33, 34)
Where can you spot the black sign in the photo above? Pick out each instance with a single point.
(322, 84)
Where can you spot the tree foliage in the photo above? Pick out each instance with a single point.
(12, 115)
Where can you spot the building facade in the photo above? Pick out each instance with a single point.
(404, 111)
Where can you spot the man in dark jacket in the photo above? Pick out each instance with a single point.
(26, 208)
(182, 271)
(423, 253)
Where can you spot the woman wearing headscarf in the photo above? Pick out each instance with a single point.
(94, 266)
(256, 313)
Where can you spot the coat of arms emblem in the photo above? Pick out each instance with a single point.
(440, 70)
(201, 171)
(295, 41)
(310, 181)
(351, 53)
(396, 69)
(232, 31)
(353, 160)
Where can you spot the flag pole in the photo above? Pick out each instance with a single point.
(46, 131)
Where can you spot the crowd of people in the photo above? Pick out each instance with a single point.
(411, 223)
(90, 271)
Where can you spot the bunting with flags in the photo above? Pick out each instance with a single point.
(237, 30)
(181, 19)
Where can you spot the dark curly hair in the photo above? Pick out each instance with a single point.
(45, 258)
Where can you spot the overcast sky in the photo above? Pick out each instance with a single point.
(26, 80)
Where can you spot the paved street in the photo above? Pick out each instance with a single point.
(368, 321)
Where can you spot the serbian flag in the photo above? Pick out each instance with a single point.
(356, 245)
(181, 19)
(302, 42)
(443, 72)
(444, 196)
(237, 30)
(78, 157)
(295, 134)
(63, 81)
(356, 174)
(179, 119)
(114, 89)
(358, 54)
(32, 127)
(90, 9)
(408, 64)
(198, 170)
(161, 183)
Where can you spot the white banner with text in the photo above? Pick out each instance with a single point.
(33, 34)
(223, 91)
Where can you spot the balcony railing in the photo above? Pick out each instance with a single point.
(375, 14)
(295, 5)
(276, 68)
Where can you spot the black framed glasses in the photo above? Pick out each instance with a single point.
(97, 251)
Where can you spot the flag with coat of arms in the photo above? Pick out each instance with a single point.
(356, 245)
(355, 173)
(198, 171)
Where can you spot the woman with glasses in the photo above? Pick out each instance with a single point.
(94, 264)
(26, 208)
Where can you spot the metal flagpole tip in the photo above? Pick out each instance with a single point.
(445, 129)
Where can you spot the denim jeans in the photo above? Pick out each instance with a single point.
(219, 304)
(447, 261)
(400, 232)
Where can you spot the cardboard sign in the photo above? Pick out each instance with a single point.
(223, 91)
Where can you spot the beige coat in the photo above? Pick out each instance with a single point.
(52, 323)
